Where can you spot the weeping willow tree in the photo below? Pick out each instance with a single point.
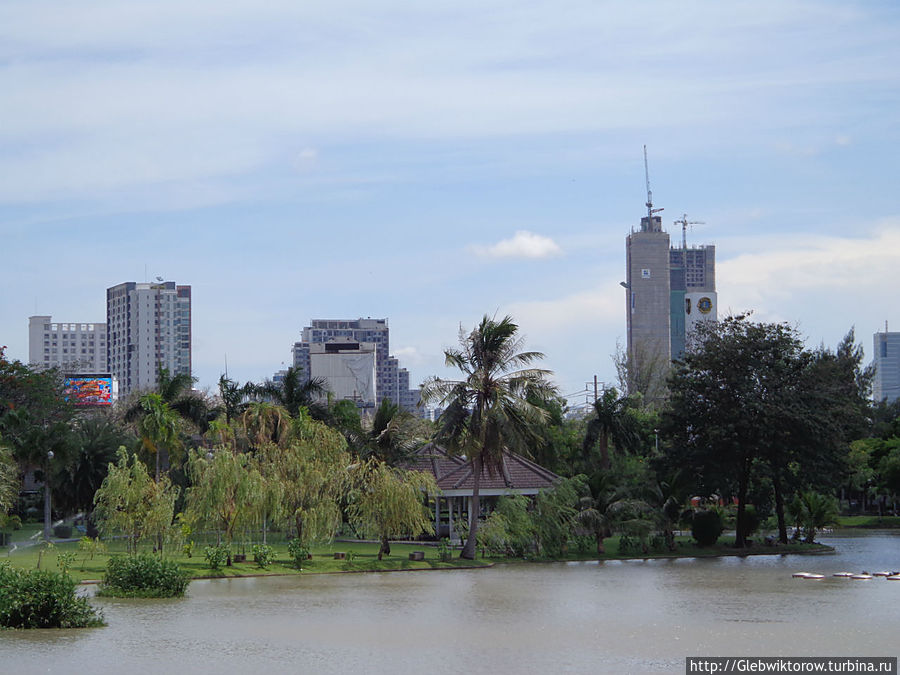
(9, 480)
(311, 474)
(131, 503)
(391, 502)
(225, 493)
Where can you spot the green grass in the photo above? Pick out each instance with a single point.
(874, 522)
(365, 558)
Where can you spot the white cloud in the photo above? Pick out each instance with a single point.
(522, 245)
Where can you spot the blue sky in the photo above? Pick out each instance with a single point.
(432, 162)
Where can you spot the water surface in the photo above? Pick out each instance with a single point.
(631, 616)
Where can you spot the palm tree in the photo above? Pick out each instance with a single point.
(487, 413)
(610, 421)
(177, 393)
(158, 427)
(393, 434)
(812, 511)
(293, 393)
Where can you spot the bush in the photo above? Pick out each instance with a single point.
(752, 521)
(263, 555)
(42, 599)
(62, 531)
(706, 527)
(216, 556)
(143, 576)
(298, 552)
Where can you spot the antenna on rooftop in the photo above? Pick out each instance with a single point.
(684, 222)
(649, 204)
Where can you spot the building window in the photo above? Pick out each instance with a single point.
(884, 349)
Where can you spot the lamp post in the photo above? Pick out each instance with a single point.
(656, 436)
(47, 516)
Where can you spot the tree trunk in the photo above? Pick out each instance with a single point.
(48, 517)
(601, 549)
(469, 551)
(779, 508)
(385, 547)
(604, 452)
(739, 540)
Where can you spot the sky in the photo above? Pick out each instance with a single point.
(435, 162)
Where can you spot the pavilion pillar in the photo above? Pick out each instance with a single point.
(450, 506)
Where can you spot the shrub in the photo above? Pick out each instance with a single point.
(706, 527)
(42, 599)
(62, 531)
(298, 552)
(143, 576)
(263, 555)
(752, 521)
(445, 553)
(216, 556)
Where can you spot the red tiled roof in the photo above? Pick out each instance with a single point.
(455, 473)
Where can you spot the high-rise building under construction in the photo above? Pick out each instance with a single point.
(668, 290)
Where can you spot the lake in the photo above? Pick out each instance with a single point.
(617, 617)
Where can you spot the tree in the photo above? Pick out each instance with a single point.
(391, 502)
(9, 479)
(225, 493)
(313, 474)
(610, 421)
(158, 427)
(95, 444)
(131, 503)
(266, 423)
(488, 412)
(35, 419)
(293, 393)
(177, 393)
(812, 511)
(735, 403)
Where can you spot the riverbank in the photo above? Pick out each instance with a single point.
(359, 557)
(869, 522)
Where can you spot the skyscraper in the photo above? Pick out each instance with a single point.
(148, 327)
(668, 290)
(886, 384)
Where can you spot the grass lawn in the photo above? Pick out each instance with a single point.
(874, 522)
(363, 557)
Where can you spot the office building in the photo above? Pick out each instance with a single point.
(148, 326)
(391, 380)
(886, 383)
(71, 347)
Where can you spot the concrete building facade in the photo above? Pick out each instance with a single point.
(349, 369)
(148, 326)
(391, 380)
(71, 347)
(668, 291)
(886, 384)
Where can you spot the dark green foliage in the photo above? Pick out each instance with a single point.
(62, 531)
(751, 520)
(263, 555)
(216, 556)
(42, 599)
(143, 576)
(298, 552)
(706, 527)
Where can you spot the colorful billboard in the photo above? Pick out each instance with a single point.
(89, 390)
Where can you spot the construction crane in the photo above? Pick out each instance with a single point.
(684, 222)
(649, 205)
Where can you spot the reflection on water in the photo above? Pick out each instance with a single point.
(631, 616)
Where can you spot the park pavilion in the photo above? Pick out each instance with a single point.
(456, 480)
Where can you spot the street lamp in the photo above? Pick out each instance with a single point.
(47, 516)
(656, 435)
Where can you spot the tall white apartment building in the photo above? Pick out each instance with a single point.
(71, 347)
(886, 384)
(148, 326)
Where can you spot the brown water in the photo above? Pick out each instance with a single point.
(618, 617)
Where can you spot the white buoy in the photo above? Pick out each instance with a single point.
(814, 576)
(800, 575)
(861, 576)
(843, 574)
